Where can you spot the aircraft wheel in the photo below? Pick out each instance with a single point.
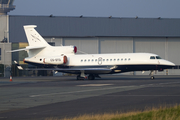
(80, 78)
(152, 77)
(91, 77)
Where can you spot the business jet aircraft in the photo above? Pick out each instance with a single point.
(64, 59)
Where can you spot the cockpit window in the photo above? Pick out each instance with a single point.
(158, 57)
(152, 57)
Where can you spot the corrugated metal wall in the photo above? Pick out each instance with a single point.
(94, 27)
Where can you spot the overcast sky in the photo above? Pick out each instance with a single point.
(99, 8)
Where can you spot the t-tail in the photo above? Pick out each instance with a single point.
(33, 37)
(35, 40)
(38, 47)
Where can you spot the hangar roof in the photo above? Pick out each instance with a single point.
(56, 26)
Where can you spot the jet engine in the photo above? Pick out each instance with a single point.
(56, 60)
(67, 49)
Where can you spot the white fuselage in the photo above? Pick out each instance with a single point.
(105, 59)
(115, 59)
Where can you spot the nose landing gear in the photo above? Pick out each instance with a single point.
(152, 77)
(151, 74)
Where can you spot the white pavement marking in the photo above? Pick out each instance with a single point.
(80, 91)
(94, 85)
(60, 93)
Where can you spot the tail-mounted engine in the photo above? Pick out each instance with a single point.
(56, 60)
(67, 49)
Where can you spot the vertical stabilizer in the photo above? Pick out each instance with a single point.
(33, 37)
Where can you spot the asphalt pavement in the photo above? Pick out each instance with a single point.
(44, 97)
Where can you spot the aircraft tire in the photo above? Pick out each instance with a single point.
(152, 77)
(91, 77)
(80, 78)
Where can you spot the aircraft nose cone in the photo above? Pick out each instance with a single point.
(170, 63)
(167, 63)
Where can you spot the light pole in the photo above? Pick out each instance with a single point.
(4, 60)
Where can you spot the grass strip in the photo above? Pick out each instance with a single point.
(162, 113)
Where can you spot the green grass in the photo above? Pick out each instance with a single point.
(162, 113)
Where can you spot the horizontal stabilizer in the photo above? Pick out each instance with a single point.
(27, 48)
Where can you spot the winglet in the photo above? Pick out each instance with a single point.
(18, 66)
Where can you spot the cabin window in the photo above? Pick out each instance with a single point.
(118, 59)
(106, 59)
(158, 57)
(81, 60)
(125, 59)
(129, 59)
(89, 60)
(92, 60)
(84, 60)
(152, 57)
(110, 59)
(103, 59)
(95, 59)
(114, 59)
(121, 59)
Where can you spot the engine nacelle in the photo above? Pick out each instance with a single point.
(67, 49)
(55, 60)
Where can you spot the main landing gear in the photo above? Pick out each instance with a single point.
(80, 78)
(90, 77)
(151, 74)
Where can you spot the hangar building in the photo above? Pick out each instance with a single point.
(95, 35)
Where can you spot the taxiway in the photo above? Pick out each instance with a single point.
(44, 97)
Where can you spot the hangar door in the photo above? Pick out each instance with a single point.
(173, 50)
(150, 45)
(116, 45)
(173, 45)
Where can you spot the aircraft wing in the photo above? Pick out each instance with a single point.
(74, 70)
(69, 69)
(77, 70)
